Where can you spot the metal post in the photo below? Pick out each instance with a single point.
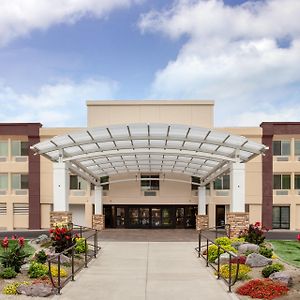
(206, 252)
(85, 253)
(199, 243)
(80, 231)
(230, 279)
(95, 243)
(218, 261)
(73, 251)
(58, 274)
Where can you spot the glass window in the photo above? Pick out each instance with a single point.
(19, 148)
(281, 217)
(19, 181)
(105, 179)
(3, 148)
(150, 183)
(281, 182)
(3, 181)
(195, 180)
(297, 147)
(222, 183)
(281, 148)
(77, 183)
(297, 182)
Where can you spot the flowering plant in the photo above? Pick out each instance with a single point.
(13, 255)
(62, 237)
(298, 237)
(254, 234)
(263, 289)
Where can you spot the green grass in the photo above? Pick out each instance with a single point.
(289, 251)
(27, 248)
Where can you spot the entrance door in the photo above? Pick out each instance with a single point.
(156, 217)
(220, 215)
(166, 217)
(120, 217)
(144, 217)
(190, 217)
(179, 217)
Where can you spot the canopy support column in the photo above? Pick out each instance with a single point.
(98, 217)
(202, 217)
(61, 181)
(237, 218)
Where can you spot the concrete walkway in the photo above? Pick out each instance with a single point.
(146, 271)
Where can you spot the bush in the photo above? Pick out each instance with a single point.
(213, 251)
(54, 271)
(254, 234)
(243, 271)
(268, 270)
(262, 289)
(266, 252)
(8, 273)
(37, 270)
(223, 241)
(61, 237)
(11, 289)
(80, 245)
(41, 257)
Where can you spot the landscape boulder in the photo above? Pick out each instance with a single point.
(41, 239)
(243, 248)
(257, 260)
(36, 290)
(283, 277)
(224, 259)
(63, 259)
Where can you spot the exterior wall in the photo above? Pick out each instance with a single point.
(197, 113)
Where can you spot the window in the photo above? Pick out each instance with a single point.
(195, 180)
(19, 148)
(19, 181)
(105, 179)
(281, 148)
(3, 148)
(297, 182)
(222, 183)
(281, 217)
(77, 183)
(281, 182)
(3, 181)
(297, 148)
(150, 183)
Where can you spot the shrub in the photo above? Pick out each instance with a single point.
(242, 260)
(15, 255)
(268, 270)
(263, 289)
(61, 237)
(213, 251)
(11, 289)
(254, 234)
(54, 271)
(243, 271)
(8, 273)
(266, 252)
(37, 270)
(40, 257)
(80, 245)
(223, 241)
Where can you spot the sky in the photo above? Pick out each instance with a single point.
(56, 54)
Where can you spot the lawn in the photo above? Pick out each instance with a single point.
(289, 251)
(27, 248)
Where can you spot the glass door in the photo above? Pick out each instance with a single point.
(166, 214)
(220, 215)
(190, 217)
(133, 217)
(179, 217)
(145, 217)
(120, 217)
(281, 217)
(156, 217)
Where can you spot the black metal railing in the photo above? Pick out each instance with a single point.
(91, 250)
(204, 241)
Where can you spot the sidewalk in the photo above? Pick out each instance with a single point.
(146, 271)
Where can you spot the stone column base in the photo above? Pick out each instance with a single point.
(201, 222)
(238, 221)
(99, 222)
(60, 217)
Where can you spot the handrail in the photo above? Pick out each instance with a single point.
(88, 256)
(231, 280)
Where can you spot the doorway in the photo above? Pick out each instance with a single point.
(220, 215)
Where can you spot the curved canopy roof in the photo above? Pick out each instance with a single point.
(149, 148)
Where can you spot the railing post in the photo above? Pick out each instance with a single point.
(58, 274)
(73, 251)
(85, 253)
(218, 261)
(207, 252)
(199, 243)
(95, 243)
(80, 231)
(230, 274)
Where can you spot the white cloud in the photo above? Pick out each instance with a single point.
(233, 55)
(58, 104)
(20, 17)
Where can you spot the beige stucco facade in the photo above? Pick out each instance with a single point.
(193, 113)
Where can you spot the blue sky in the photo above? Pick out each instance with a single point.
(56, 54)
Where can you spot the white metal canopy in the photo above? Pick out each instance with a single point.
(149, 148)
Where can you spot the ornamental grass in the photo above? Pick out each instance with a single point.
(263, 289)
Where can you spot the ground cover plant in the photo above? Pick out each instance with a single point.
(242, 274)
(268, 270)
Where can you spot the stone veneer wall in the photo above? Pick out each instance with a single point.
(238, 221)
(98, 222)
(201, 222)
(60, 217)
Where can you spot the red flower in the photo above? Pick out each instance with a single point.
(257, 224)
(21, 241)
(298, 237)
(5, 242)
(14, 237)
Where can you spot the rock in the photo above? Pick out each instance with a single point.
(36, 290)
(41, 239)
(283, 277)
(243, 248)
(224, 259)
(257, 260)
(25, 267)
(63, 259)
